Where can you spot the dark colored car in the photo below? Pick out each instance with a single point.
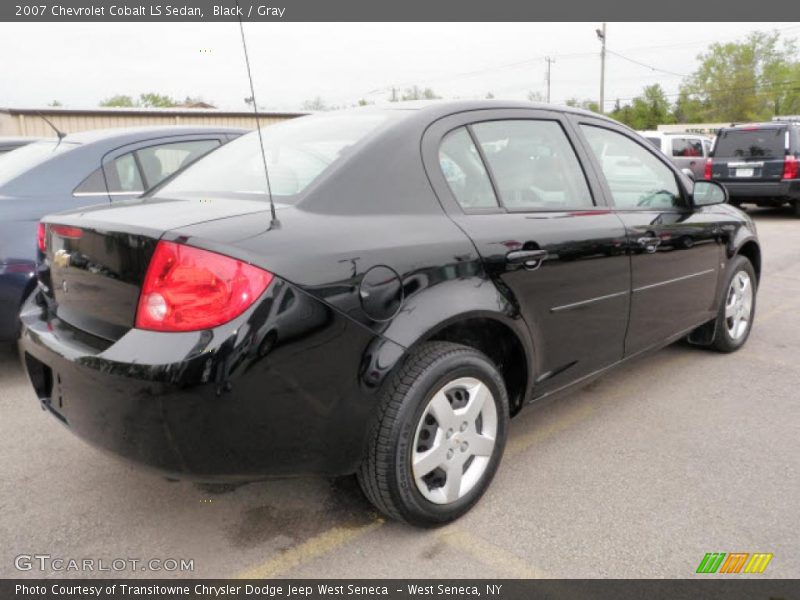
(758, 164)
(428, 274)
(7, 144)
(103, 166)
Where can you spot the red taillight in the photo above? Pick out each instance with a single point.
(790, 167)
(67, 232)
(707, 173)
(186, 289)
(41, 237)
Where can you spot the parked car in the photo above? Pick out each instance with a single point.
(758, 163)
(103, 166)
(7, 144)
(686, 150)
(447, 265)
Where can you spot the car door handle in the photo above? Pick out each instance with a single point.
(529, 258)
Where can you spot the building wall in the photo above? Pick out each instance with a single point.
(704, 128)
(29, 123)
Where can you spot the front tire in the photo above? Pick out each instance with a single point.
(738, 307)
(438, 437)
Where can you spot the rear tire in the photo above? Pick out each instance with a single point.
(438, 437)
(796, 205)
(737, 308)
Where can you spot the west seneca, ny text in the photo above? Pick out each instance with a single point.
(265, 590)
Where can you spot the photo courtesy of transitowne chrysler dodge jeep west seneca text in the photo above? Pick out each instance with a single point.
(428, 272)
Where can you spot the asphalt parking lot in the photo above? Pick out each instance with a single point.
(638, 475)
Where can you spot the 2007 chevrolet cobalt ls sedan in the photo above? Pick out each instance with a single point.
(428, 273)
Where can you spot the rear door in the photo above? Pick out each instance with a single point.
(514, 181)
(131, 170)
(674, 249)
(750, 154)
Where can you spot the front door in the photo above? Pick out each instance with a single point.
(529, 206)
(674, 248)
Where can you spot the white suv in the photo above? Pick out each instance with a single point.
(686, 150)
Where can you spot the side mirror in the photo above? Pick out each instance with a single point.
(706, 193)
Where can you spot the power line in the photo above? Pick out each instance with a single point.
(759, 88)
(646, 66)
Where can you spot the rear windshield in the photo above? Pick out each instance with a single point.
(751, 143)
(297, 152)
(16, 162)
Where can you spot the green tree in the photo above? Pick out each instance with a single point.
(55, 103)
(743, 81)
(316, 104)
(153, 100)
(417, 93)
(118, 100)
(585, 104)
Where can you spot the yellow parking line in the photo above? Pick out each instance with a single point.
(310, 549)
(493, 556)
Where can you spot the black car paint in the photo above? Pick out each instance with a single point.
(48, 187)
(290, 386)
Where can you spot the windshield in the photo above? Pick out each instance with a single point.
(297, 152)
(751, 143)
(16, 162)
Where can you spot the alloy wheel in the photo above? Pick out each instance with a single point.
(738, 305)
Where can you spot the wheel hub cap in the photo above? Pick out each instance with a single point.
(739, 305)
(454, 441)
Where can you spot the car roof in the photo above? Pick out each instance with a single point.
(125, 135)
(447, 107)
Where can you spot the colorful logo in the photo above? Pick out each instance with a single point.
(714, 562)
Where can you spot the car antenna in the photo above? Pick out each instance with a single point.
(61, 135)
(274, 223)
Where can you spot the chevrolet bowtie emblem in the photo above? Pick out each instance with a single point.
(61, 259)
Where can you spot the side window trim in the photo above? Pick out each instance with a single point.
(489, 171)
(601, 178)
(432, 137)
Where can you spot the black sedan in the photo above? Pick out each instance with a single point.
(426, 274)
(91, 167)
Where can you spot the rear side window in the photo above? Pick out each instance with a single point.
(534, 165)
(686, 147)
(124, 178)
(464, 171)
(751, 143)
(159, 162)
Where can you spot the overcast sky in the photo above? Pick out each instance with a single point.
(81, 64)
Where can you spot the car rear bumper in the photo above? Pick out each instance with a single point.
(770, 189)
(257, 397)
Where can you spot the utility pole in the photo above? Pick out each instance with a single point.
(601, 35)
(550, 61)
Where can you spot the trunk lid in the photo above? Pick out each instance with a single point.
(96, 259)
(745, 154)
